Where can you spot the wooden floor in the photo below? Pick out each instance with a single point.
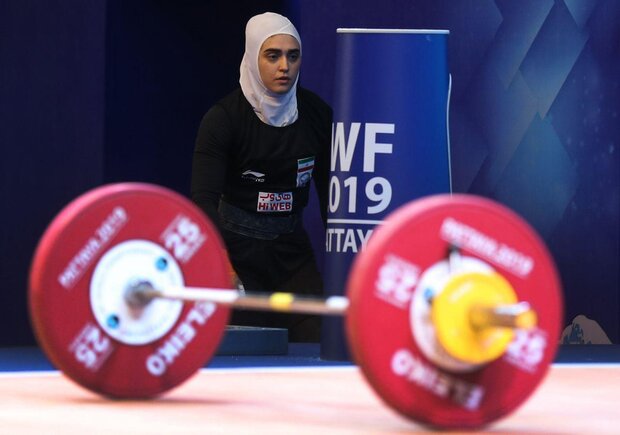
(582, 399)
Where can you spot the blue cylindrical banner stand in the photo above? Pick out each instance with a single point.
(389, 143)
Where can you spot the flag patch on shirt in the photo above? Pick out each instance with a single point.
(269, 202)
(304, 170)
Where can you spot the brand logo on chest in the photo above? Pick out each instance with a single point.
(253, 176)
(270, 202)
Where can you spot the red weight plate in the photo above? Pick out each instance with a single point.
(86, 258)
(385, 280)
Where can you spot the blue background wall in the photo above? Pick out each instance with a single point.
(534, 118)
(103, 91)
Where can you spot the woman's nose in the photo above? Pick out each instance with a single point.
(283, 65)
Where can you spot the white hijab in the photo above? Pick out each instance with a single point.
(271, 108)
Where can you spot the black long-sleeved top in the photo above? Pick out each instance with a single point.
(260, 168)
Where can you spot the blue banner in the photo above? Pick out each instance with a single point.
(390, 142)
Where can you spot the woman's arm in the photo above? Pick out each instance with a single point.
(210, 161)
(322, 166)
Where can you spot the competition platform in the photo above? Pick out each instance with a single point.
(293, 393)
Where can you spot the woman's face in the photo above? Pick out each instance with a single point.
(279, 60)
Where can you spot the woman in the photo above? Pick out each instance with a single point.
(257, 150)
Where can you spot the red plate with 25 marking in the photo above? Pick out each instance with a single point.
(97, 246)
(384, 281)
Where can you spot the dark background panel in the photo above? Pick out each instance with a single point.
(167, 62)
(52, 58)
(94, 92)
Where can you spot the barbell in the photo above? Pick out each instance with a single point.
(452, 311)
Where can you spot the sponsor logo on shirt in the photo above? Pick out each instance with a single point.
(256, 177)
(304, 171)
(269, 202)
